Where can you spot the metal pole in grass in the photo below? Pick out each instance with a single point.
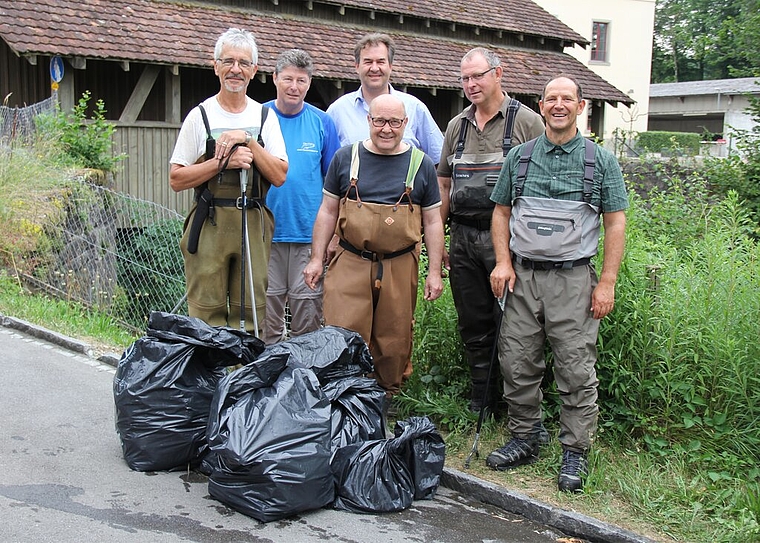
(483, 404)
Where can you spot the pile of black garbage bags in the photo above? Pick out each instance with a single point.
(297, 426)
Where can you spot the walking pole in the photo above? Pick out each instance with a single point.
(494, 356)
(245, 258)
(244, 222)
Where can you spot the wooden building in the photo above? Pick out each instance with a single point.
(150, 60)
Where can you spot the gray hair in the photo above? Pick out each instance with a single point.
(492, 58)
(297, 58)
(578, 89)
(375, 39)
(240, 39)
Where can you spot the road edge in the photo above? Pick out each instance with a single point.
(569, 522)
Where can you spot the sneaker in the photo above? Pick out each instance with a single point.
(573, 471)
(516, 452)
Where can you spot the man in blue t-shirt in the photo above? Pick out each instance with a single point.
(310, 140)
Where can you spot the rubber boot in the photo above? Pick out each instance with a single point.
(482, 393)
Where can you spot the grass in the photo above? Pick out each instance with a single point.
(74, 320)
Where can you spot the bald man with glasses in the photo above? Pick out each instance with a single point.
(379, 193)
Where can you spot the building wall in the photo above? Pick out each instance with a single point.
(631, 27)
(716, 113)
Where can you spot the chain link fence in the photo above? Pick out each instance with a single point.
(79, 240)
(17, 123)
(107, 250)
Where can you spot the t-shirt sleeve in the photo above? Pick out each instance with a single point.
(274, 143)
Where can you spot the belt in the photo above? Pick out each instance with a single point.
(548, 264)
(480, 224)
(250, 203)
(375, 257)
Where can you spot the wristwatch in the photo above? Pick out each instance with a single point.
(248, 137)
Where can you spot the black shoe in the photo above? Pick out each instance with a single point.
(516, 452)
(573, 471)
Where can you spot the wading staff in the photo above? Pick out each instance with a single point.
(245, 259)
(243, 252)
(494, 357)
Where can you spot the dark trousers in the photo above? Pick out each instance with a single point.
(472, 259)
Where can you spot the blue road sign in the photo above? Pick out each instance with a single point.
(56, 69)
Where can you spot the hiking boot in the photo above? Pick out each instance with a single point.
(573, 471)
(516, 452)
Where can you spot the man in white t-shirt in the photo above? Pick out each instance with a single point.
(225, 144)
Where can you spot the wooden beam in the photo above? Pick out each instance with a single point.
(174, 69)
(140, 93)
(124, 65)
(31, 59)
(310, 5)
(338, 84)
(433, 91)
(78, 63)
(453, 27)
(342, 10)
(372, 14)
(477, 31)
(172, 96)
(400, 19)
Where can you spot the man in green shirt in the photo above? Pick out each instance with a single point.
(545, 229)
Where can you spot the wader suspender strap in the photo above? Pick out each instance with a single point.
(203, 196)
(509, 124)
(589, 164)
(415, 161)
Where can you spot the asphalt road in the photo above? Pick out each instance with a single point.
(63, 477)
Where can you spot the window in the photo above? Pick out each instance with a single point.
(599, 41)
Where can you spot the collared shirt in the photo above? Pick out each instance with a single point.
(528, 125)
(556, 171)
(349, 112)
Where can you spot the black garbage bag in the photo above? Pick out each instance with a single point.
(331, 352)
(164, 385)
(372, 477)
(270, 447)
(357, 410)
(425, 454)
(383, 476)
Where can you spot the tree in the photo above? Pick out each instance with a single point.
(706, 39)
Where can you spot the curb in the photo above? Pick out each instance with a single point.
(569, 522)
(112, 359)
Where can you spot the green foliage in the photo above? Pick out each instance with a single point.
(679, 359)
(151, 272)
(696, 40)
(660, 141)
(88, 144)
(741, 172)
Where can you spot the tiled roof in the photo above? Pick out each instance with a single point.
(716, 86)
(518, 16)
(184, 34)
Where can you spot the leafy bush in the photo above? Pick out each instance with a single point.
(741, 172)
(87, 144)
(658, 141)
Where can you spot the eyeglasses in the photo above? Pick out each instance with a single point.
(378, 122)
(230, 62)
(474, 77)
